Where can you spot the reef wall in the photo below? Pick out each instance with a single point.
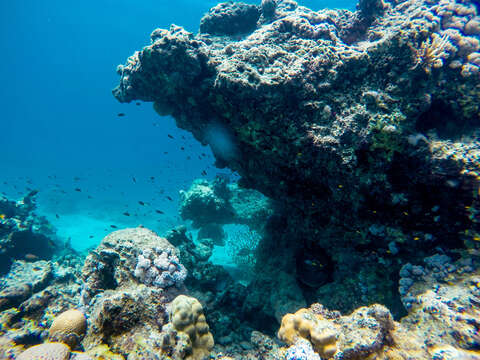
(362, 126)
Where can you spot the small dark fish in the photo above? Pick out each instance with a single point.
(152, 178)
(204, 173)
(183, 137)
(141, 203)
(137, 103)
(134, 180)
(90, 197)
(170, 136)
(245, 252)
(169, 198)
(126, 213)
(159, 212)
(31, 257)
(120, 114)
(113, 226)
(165, 152)
(90, 237)
(203, 154)
(57, 216)
(78, 189)
(188, 157)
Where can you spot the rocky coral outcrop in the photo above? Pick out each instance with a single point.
(362, 125)
(220, 202)
(24, 235)
(127, 282)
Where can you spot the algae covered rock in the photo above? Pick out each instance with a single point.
(125, 310)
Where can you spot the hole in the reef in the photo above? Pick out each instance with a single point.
(314, 267)
(107, 278)
(441, 118)
(28, 339)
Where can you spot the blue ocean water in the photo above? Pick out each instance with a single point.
(60, 130)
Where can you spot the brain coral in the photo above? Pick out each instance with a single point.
(69, 327)
(47, 351)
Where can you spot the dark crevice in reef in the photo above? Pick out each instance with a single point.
(447, 124)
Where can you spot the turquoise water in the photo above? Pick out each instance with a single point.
(60, 129)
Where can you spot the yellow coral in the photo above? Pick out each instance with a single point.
(305, 324)
(187, 317)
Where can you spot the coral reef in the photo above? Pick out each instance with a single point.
(230, 18)
(24, 235)
(52, 351)
(125, 309)
(362, 127)
(218, 202)
(442, 322)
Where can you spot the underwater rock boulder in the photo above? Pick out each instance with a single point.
(128, 280)
(443, 301)
(23, 234)
(112, 265)
(230, 18)
(218, 202)
(23, 280)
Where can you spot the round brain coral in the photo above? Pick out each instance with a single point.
(47, 351)
(69, 328)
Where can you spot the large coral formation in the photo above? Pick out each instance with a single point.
(24, 235)
(362, 126)
(48, 351)
(442, 322)
(187, 316)
(122, 307)
(222, 202)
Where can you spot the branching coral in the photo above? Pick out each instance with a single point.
(432, 52)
